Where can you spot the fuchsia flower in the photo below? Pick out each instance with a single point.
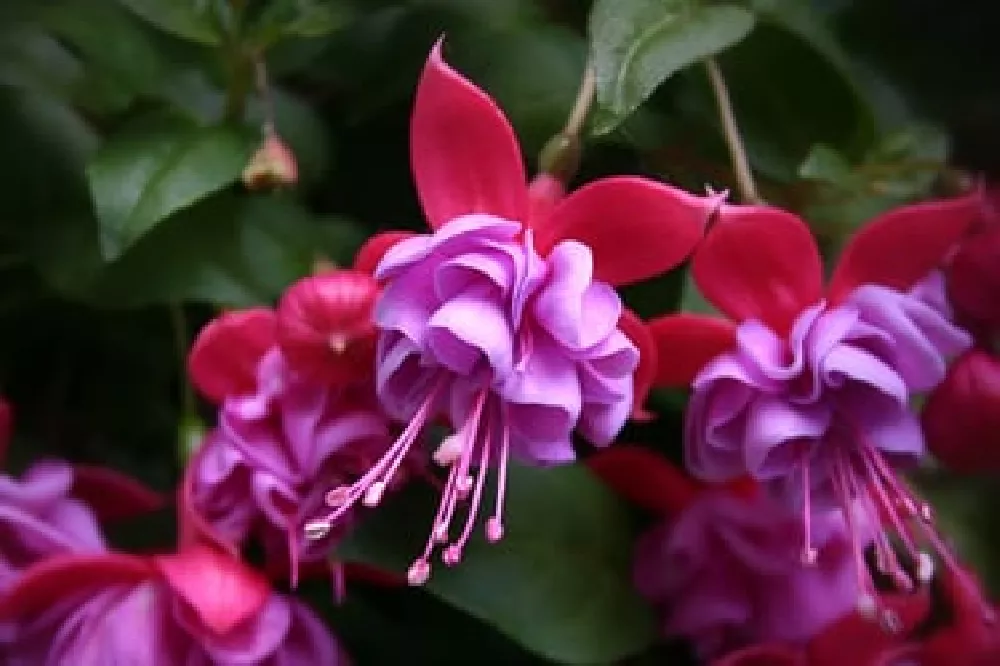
(46, 512)
(504, 318)
(198, 607)
(651, 482)
(261, 472)
(723, 566)
(808, 393)
(325, 326)
(39, 518)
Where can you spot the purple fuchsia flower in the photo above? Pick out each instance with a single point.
(198, 607)
(505, 318)
(725, 572)
(262, 470)
(723, 568)
(54, 508)
(39, 518)
(808, 393)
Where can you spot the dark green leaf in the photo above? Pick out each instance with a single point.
(226, 250)
(146, 174)
(559, 582)
(897, 170)
(638, 44)
(116, 47)
(44, 204)
(187, 19)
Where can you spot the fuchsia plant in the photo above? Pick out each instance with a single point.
(792, 537)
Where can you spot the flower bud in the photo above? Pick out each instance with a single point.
(223, 359)
(325, 328)
(961, 418)
(974, 278)
(273, 165)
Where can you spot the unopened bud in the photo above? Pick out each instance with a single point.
(961, 417)
(272, 165)
(325, 328)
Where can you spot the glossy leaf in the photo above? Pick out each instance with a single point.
(559, 583)
(223, 251)
(639, 44)
(143, 176)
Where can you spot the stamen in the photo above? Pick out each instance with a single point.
(841, 478)
(374, 494)
(317, 529)
(372, 484)
(418, 573)
(494, 526)
(809, 554)
(477, 495)
(449, 450)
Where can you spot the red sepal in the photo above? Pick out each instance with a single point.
(685, 343)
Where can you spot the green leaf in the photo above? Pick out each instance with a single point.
(187, 19)
(115, 45)
(227, 250)
(146, 174)
(559, 583)
(45, 207)
(899, 169)
(825, 164)
(638, 44)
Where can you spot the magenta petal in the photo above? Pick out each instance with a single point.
(253, 641)
(469, 329)
(775, 423)
(308, 641)
(921, 338)
(636, 228)
(543, 396)
(463, 152)
(221, 590)
(578, 312)
(600, 422)
(849, 364)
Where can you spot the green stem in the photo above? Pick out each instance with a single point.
(584, 99)
(241, 79)
(737, 153)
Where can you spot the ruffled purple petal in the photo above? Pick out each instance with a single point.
(469, 329)
(575, 310)
(775, 427)
(463, 230)
(726, 573)
(922, 338)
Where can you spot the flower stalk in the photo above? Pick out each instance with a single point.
(737, 152)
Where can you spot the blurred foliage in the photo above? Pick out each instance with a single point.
(125, 125)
